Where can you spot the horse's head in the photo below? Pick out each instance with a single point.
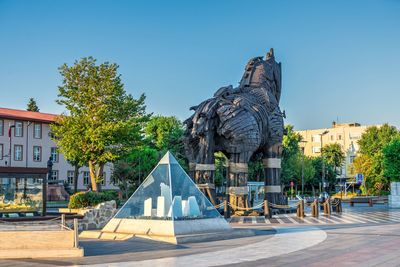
(263, 73)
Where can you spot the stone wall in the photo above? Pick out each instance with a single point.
(97, 217)
(394, 197)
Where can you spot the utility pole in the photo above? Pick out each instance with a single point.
(302, 167)
(323, 162)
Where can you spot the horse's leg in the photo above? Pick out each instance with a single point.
(204, 169)
(238, 174)
(272, 169)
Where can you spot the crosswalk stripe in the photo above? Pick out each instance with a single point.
(375, 217)
(363, 218)
(291, 219)
(280, 221)
(354, 218)
(329, 219)
(349, 217)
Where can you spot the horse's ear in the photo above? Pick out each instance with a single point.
(270, 54)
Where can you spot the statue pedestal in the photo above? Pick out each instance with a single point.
(394, 197)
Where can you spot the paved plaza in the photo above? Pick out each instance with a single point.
(361, 236)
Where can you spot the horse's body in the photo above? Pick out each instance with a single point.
(240, 122)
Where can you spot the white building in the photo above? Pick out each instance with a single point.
(25, 142)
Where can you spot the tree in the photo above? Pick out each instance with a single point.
(391, 160)
(290, 155)
(130, 171)
(32, 106)
(370, 161)
(330, 174)
(334, 155)
(103, 122)
(165, 133)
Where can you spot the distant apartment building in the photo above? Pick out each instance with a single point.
(344, 134)
(25, 143)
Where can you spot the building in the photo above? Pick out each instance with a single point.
(25, 143)
(344, 134)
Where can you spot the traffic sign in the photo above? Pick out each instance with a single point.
(359, 178)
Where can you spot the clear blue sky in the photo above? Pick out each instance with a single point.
(341, 59)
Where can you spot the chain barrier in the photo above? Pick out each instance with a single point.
(284, 206)
(246, 209)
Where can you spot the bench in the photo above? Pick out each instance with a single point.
(366, 200)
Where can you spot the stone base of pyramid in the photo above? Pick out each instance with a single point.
(175, 232)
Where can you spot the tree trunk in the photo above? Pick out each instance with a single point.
(92, 173)
(76, 175)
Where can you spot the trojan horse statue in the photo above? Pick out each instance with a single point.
(241, 122)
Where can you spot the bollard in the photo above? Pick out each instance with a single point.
(328, 206)
(226, 209)
(370, 202)
(76, 238)
(300, 209)
(62, 221)
(267, 213)
(351, 203)
(314, 210)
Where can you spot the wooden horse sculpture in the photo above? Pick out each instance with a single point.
(241, 122)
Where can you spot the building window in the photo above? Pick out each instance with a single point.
(54, 154)
(332, 138)
(316, 149)
(85, 178)
(54, 176)
(316, 138)
(17, 152)
(339, 137)
(352, 159)
(37, 131)
(1, 127)
(1, 151)
(70, 177)
(37, 153)
(19, 129)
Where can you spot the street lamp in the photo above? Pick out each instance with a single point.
(323, 162)
(302, 167)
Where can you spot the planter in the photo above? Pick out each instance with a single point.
(394, 197)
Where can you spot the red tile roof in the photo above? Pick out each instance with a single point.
(17, 114)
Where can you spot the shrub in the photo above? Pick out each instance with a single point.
(90, 199)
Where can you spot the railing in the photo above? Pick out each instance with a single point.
(328, 206)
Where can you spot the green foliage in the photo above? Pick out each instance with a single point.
(130, 171)
(32, 106)
(166, 134)
(391, 160)
(290, 156)
(256, 170)
(334, 155)
(370, 161)
(290, 142)
(221, 165)
(103, 122)
(90, 199)
(375, 138)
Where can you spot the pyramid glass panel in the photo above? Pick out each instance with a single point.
(194, 205)
(146, 202)
(168, 193)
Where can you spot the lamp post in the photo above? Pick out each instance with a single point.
(323, 162)
(45, 181)
(302, 167)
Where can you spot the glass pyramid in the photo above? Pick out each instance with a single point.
(168, 193)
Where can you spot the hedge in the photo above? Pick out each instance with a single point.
(90, 199)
